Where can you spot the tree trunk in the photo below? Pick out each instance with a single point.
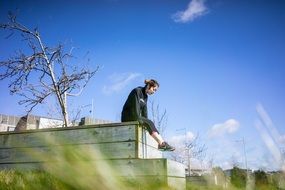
(64, 110)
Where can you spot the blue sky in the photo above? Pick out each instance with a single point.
(220, 63)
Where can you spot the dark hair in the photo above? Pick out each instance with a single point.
(151, 82)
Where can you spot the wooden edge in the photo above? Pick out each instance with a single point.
(137, 132)
(72, 128)
(175, 169)
(99, 159)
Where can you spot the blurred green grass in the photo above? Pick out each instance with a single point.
(42, 180)
(75, 167)
(68, 167)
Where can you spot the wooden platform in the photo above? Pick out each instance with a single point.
(128, 147)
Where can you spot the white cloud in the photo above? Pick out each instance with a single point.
(228, 127)
(179, 140)
(119, 81)
(195, 9)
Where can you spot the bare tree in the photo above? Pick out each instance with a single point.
(184, 152)
(235, 162)
(190, 149)
(158, 118)
(48, 64)
(211, 161)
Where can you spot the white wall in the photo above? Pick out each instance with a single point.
(50, 123)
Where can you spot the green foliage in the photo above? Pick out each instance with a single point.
(238, 177)
(42, 180)
(261, 179)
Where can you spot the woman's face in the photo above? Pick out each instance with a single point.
(151, 90)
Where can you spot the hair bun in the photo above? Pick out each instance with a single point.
(151, 82)
(146, 81)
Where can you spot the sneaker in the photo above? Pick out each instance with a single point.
(165, 147)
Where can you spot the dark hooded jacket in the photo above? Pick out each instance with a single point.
(135, 107)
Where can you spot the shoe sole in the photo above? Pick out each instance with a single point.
(163, 149)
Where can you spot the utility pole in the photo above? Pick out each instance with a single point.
(244, 153)
(93, 115)
(245, 157)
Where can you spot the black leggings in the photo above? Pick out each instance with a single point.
(150, 127)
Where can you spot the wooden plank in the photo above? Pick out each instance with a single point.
(175, 169)
(148, 148)
(145, 137)
(140, 167)
(26, 166)
(72, 128)
(139, 172)
(38, 154)
(146, 151)
(82, 135)
(72, 136)
(14, 146)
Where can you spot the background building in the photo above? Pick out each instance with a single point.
(10, 122)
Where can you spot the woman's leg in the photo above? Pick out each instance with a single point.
(151, 129)
(157, 137)
(162, 145)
